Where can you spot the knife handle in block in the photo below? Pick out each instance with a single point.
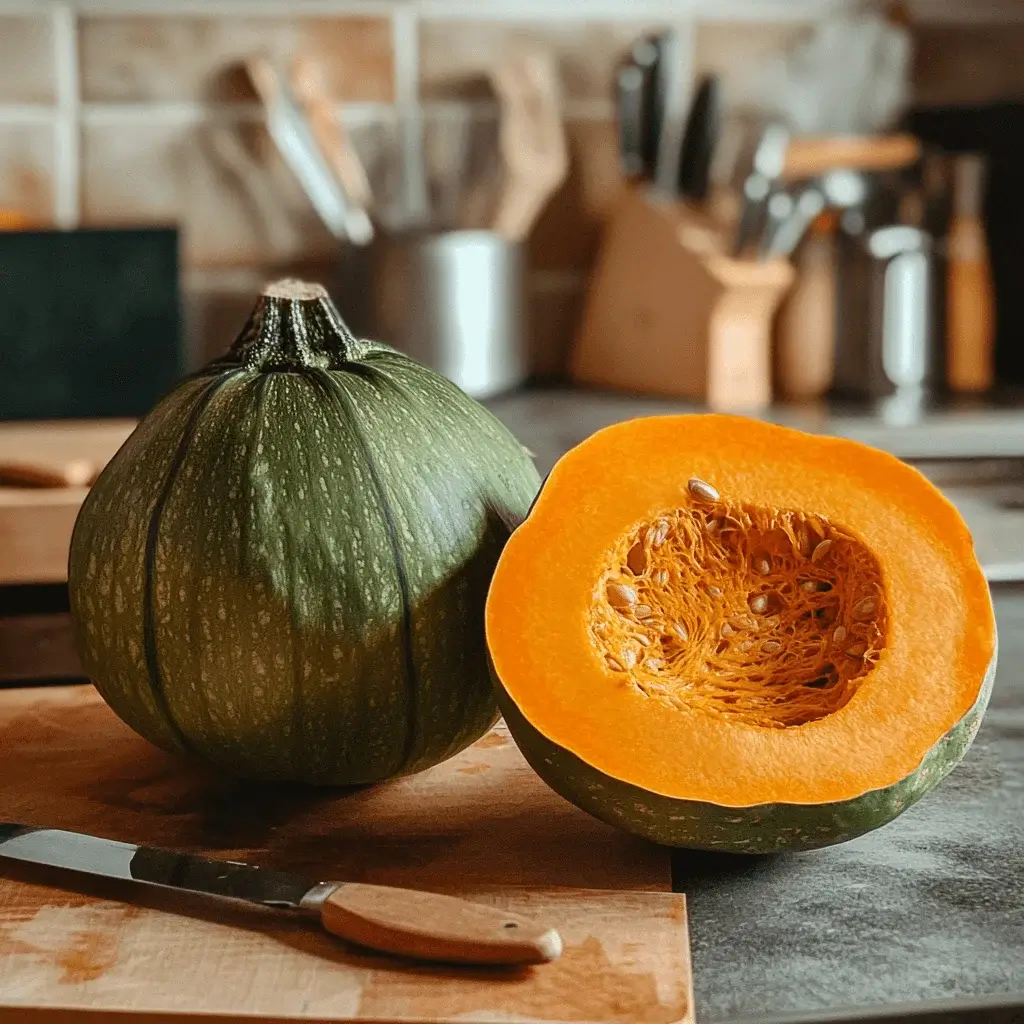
(428, 926)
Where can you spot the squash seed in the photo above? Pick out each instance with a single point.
(658, 533)
(612, 663)
(820, 550)
(803, 541)
(865, 607)
(628, 658)
(763, 566)
(857, 650)
(643, 641)
(712, 524)
(759, 604)
(661, 577)
(726, 630)
(773, 621)
(643, 611)
(702, 490)
(621, 595)
(680, 631)
(714, 591)
(637, 559)
(653, 664)
(771, 647)
(810, 586)
(746, 645)
(839, 635)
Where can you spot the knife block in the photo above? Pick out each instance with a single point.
(669, 313)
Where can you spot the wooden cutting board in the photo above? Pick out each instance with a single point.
(481, 825)
(36, 522)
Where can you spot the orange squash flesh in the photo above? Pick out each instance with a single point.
(927, 632)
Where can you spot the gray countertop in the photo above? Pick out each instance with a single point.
(924, 916)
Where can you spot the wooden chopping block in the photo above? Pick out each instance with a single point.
(481, 825)
(45, 471)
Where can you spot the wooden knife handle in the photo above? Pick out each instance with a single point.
(76, 473)
(428, 926)
(811, 155)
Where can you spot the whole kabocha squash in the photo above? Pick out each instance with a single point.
(723, 634)
(283, 570)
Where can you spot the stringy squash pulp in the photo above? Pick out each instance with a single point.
(705, 613)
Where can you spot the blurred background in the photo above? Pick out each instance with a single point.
(131, 114)
(580, 210)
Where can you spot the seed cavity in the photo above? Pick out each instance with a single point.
(720, 610)
(702, 490)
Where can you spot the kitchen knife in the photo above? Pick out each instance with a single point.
(643, 56)
(671, 82)
(405, 922)
(699, 138)
(758, 176)
(631, 99)
(785, 231)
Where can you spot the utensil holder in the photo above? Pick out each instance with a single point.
(669, 313)
(453, 300)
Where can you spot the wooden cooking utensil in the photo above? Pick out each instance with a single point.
(811, 155)
(970, 312)
(532, 139)
(805, 328)
(330, 133)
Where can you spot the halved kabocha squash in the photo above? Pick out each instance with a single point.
(723, 634)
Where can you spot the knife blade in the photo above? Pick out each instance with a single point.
(644, 56)
(760, 169)
(631, 89)
(405, 922)
(699, 139)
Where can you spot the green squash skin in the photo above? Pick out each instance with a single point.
(283, 571)
(757, 829)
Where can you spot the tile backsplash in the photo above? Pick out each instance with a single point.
(140, 113)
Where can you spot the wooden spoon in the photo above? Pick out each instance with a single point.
(531, 138)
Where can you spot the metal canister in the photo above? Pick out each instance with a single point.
(886, 329)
